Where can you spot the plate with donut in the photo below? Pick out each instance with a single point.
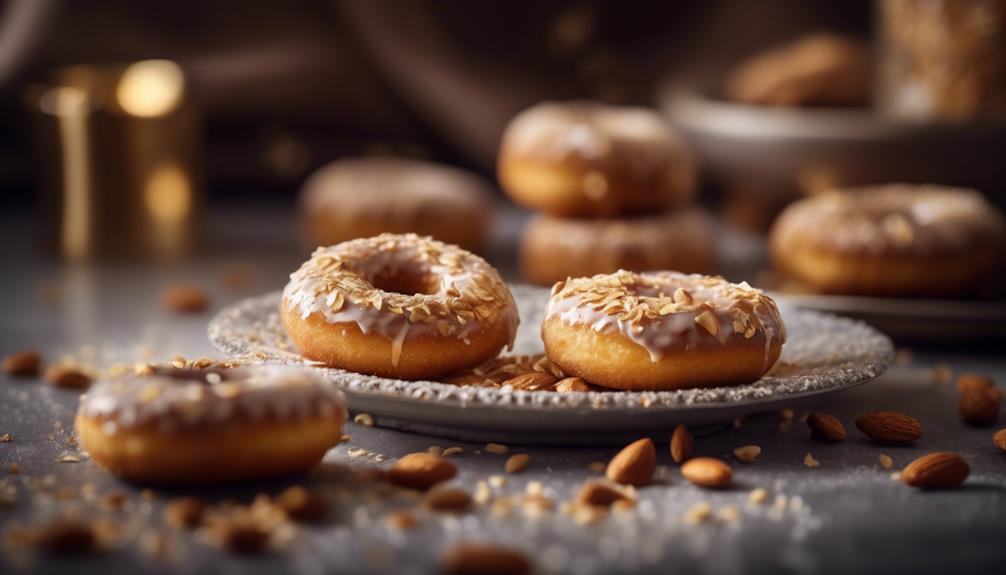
(427, 338)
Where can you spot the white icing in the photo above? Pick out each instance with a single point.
(461, 279)
(679, 330)
(179, 398)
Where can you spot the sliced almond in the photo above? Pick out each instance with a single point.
(890, 427)
(421, 471)
(936, 470)
(707, 472)
(682, 444)
(708, 321)
(517, 463)
(747, 453)
(572, 384)
(634, 464)
(533, 381)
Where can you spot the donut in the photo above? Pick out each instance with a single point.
(554, 249)
(661, 330)
(892, 240)
(819, 69)
(398, 306)
(185, 426)
(364, 197)
(586, 159)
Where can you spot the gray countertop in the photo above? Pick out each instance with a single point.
(845, 515)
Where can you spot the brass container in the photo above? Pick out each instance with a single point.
(119, 161)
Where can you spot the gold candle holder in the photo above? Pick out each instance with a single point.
(119, 161)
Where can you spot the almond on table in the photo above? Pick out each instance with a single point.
(483, 558)
(682, 444)
(979, 406)
(708, 472)
(936, 470)
(23, 364)
(890, 427)
(824, 427)
(421, 471)
(634, 464)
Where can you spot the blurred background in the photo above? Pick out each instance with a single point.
(142, 129)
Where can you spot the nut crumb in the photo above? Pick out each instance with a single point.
(758, 496)
(497, 448)
(517, 463)
(597, 466)
(401, 520)
(885, 461)
(302, 505)
(6, 438)
(729, 514)
(497, 481)
(364, 419)
(809, 461)
(453, 451)
(181, 298)
(747, 453)
(184, 513)
(113, 500)
(698, 513)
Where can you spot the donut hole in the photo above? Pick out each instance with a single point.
(407, 281)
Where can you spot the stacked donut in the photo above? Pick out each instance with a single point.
(613, 186)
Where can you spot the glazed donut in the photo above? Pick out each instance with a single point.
(364, 197)
(893, 240)
(398, 306)
(588, 159)
(661, 330)
(202, 426)
(554, 249)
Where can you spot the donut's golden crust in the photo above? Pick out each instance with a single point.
(554, 249)
(345, 346)
(896, 240)
(240, 451)
(613, 360)
(826, 271)
(641, 167)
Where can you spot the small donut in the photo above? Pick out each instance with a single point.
(587, 159)
(819, 69)
(179, 426)
(398, 306)
(661, 331)
(364, 197)
(554, 249)
(893, 240)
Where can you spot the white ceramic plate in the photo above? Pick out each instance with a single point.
(824, 353)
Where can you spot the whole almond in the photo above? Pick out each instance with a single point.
(67, 377)
(634, 464)
(516, 463)
(682, 444)
(707, 472)
(890, 427)
(571, 384)
(973, 381)
(421, 470)
(447, 499)
(533, 381)
(824, 427)
(980, 405)
(936, 470)
(1000, 438)
(22, 364)
(601, 493)
(484, 559)
(181, 298)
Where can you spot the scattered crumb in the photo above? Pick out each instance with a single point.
(517, 463)
(302, 505)
(497, 448)
(184, 513)
(6, 438)
(809, 461)
(885, 461)
(68, 458)
(357, 452)
(796, 503)
(758, 496)
(364, 419)
(698, 513)
(497, 481)
(597, 466)
(113, 500)
(747, 453)
(896, 476)
(401, 520)
(729, 514)
(535, 488)
(453, 451)
(482, 493)
(181, 298)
